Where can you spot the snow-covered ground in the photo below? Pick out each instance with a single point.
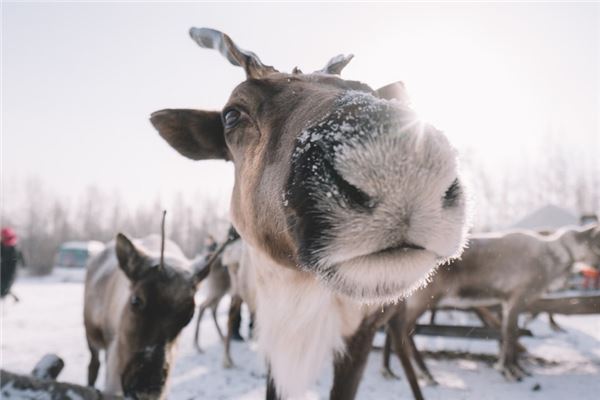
(48, 319)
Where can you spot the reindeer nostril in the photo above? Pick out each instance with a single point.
(452, 194)
(354, 195)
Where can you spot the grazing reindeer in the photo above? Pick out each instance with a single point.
(137, 301)
(218, 284)
(243, 289)
(224, 278)
(343, 198)
(513, 269)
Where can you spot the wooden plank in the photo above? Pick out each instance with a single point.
(467, 332)
(48, 367)
(555, 303)
(16, 386)
(573, 305)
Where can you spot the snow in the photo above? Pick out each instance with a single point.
(49, 319)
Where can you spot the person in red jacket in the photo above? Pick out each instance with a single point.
(9, 256)
(591, 277)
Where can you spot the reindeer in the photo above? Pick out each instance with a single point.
(227, 275)
(344, 198)
(217, 285)
(513, 269)
(137, 300)
(243, 290)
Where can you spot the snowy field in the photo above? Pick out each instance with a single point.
(48, 319)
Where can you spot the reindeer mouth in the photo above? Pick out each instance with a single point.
(405, 246)
(383, 276)
(393, 254)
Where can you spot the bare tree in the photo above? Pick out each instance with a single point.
(556, 174)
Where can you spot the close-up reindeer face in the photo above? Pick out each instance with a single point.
(348, 184)
(161, 303)
(331, 176)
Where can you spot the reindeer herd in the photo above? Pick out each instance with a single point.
(352, 217)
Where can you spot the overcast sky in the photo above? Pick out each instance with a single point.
(79, 81)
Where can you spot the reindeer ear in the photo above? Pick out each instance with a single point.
(131, 260)
(394, 91)
(194, 134)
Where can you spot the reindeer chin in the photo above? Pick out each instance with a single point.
(146, 374)
(381, 278)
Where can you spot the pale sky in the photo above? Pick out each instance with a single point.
(79, 81)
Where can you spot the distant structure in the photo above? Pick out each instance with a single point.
(588, 219)
(77, 254)
(547, 218)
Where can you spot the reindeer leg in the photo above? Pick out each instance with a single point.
(386, 370)
(401, 344)
(348, 368)
(214, 315)
(490, 319)
(416, 355)
(237, 324)
(507, 362)
(487, 317)
(271, 391)
(234, 308)
(251, 326)
(201, 310)
(530, 318)
(553, 325)
(518, 349)
(432, 312)
(94, 366)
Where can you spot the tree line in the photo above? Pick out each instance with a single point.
(44, 221)
(502, 194)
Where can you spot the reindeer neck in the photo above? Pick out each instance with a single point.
(301, 324)
(562, 248)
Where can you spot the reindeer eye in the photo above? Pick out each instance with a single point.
(136, 302)
(451, 194)
(231, 118)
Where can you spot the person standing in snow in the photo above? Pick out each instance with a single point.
(8, 258)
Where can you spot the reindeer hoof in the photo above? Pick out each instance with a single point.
(511, 375)
(522, 370)
(510, 372)
(227, 363)
(237, 337)
(430, 381)
(387, 373)
(198, 349)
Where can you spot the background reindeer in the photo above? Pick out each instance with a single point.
(217, 285)
(341, 196)
(513, 269)
(228, 275)
(135, 306)
(243, 290)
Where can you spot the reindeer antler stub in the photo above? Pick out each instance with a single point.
(213, 39)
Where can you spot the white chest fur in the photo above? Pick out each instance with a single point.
(301, 324)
